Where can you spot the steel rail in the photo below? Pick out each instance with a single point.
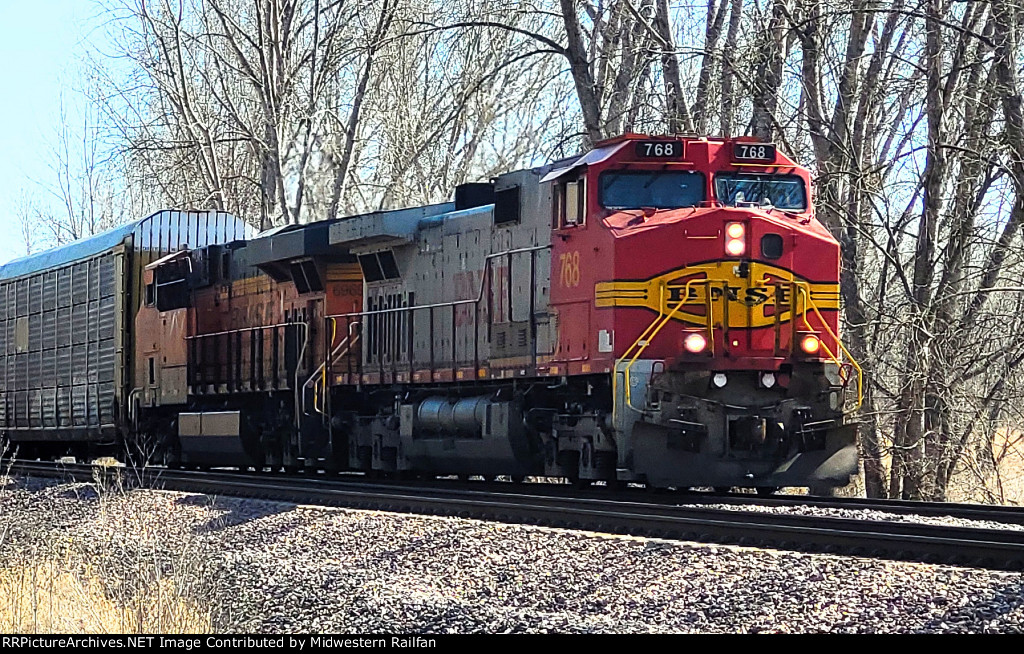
(969, 511)
(965, 546)
(1013, 515)
(987, 512)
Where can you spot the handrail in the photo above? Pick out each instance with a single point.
(454, 303)
(484, 277)
(303, 326)
(805, 291)
(648, 335)
(246, 329)
(659, 322)
(321, 371)
(330, 356)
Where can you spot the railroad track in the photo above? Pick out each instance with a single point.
(653, 516)
(967, 511)
(987, 512)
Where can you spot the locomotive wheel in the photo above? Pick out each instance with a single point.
(764, 491)
(518, 479)
(821, 491)
(723, 489)
(586, 462)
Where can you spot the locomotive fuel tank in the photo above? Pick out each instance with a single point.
(212, 438)
(477, 435)
(444, 415)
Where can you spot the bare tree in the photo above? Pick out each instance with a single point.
(27, 214)
(276, 109)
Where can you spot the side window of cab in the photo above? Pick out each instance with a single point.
(570, 201)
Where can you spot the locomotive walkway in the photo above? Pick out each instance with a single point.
(633, 512)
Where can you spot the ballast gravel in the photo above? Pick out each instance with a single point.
(278, 567)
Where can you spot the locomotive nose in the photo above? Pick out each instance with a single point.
(738, 281)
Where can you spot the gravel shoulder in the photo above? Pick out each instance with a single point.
(279, 567)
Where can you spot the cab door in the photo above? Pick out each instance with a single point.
(575, 256)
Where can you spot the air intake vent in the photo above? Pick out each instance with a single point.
(506, 206)
(379, 266)
(475, 194)
(306, 277)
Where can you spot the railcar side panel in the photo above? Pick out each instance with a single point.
(60, 357)
(67, 327)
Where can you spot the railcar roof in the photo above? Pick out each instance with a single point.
(167, 231)
(83, 249)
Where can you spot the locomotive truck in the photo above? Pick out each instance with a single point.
(660, 310)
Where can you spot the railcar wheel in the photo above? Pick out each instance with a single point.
(722, 490)
(764, 491)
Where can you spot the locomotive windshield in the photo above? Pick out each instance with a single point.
(659, 189)
(780, 191)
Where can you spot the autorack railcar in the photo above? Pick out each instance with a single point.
(67, 320)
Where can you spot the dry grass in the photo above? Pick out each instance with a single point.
(1008, 451)
(50, 598)
(123, 569)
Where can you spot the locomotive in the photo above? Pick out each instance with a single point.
(660, 310)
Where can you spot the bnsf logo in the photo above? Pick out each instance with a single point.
(749, 295)
(756, 299)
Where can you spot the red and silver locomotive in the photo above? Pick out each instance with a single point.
(661, 310)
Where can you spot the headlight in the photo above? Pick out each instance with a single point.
(695, 343)
(735, 239)
(810, 344)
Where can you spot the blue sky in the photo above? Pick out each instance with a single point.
(41, 46)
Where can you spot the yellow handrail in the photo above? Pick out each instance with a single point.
(321, 372)
(323, 379)
(652, 330)
(645, 338)
(805, 291)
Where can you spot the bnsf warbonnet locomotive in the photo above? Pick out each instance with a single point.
(660, 310)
